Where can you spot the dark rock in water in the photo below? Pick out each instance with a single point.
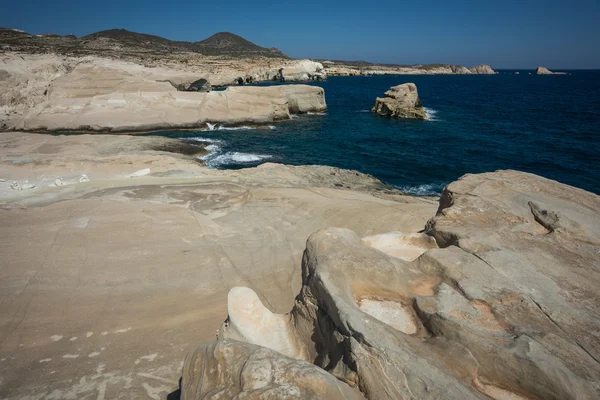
(279, 77)
(201, 85)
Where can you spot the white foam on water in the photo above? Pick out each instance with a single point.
(364, 111)
(271, 127)
(212, 150)
(431, 189)
(217, 127)
(315, 113)
(431, 114)
(201, 139)
(235, 128)
(234, 157)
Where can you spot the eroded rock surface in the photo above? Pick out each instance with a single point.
(400, 101)
(51, 92)
(482, 69)
(506, 308)
(108, 280)
(229, 369)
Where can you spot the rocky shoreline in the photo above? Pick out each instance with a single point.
(122, 254)
(500, 310)
(53, 93)
(110, 280)
(341, 68)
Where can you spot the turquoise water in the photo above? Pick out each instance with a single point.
(548, 125)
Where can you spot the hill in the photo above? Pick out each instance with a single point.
(229, 43)
(124, 41)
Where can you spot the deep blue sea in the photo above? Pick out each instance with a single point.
(548, 125)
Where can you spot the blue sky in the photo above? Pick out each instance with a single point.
(505, 34)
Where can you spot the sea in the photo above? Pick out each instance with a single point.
(547, 125)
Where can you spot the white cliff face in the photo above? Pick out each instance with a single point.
(347, 70)
(95, 94)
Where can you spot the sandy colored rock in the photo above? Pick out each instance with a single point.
(401, 102)
(483, 69)
(367, 69)
(546, 71)
(138, 269)
(407, 247)
(235, 369)
(251, 322)
(505, 308)
(50, 92)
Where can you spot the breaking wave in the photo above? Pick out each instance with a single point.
(431, 113)
(431, 189)
(217, 127)
(214, 161)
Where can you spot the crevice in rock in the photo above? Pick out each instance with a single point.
(563, 331)
(547, 219)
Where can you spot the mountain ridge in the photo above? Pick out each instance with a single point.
(219, 44)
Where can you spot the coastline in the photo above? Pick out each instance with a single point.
(133, 267)
(114, 278)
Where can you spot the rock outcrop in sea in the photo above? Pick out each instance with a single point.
(505, 308)
(483, 69)
(546, 71)
(402, 102)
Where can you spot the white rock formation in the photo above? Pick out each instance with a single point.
(45, 92)
(483, 69)
(407, 247)
(546, 71)
(250, 321)
(304, 70)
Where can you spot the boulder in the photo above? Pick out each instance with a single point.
(546, 71)
(483, 69)
(201, 85)
(401, 102)
(302, 70)
(230, 369)
(505, 308)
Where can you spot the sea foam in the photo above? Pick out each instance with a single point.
(233, 157)
(431, 113)
(431, 189)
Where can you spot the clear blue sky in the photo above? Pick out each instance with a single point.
(505, 34)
